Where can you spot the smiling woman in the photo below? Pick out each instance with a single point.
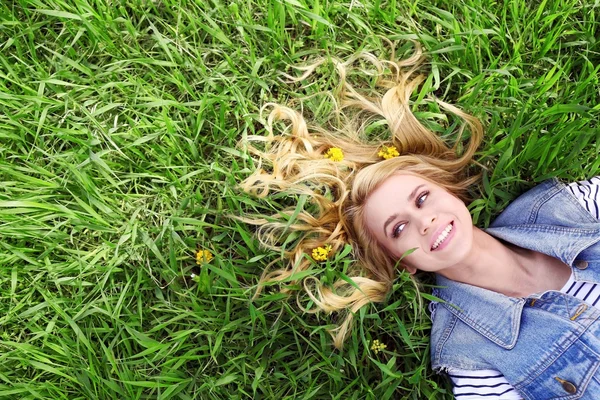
(408, 212)
(511, 324)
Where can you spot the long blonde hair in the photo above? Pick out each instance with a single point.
(293, 162)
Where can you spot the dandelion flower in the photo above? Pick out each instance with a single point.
(388, 152)
(377, 346)
(321, 252)
(335, 154)
(203, 256)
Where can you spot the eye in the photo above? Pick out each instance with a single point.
(421, 199)
(398, 229)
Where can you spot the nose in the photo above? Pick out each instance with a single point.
(425, 223)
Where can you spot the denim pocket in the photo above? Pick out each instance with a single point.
(569, 376)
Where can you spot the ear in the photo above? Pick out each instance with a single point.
(411, 270)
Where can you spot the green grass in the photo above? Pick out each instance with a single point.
(119, 124)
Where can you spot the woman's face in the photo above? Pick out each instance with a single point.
(407, 211)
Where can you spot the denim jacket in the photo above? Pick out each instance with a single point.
(547, 345)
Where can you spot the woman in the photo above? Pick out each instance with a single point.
(511, 325)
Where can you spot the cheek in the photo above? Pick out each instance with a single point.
(413, 260)
(408, 244)
(464, 211)
(417, 260)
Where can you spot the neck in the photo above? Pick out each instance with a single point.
(508, 269)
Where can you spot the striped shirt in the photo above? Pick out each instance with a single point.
(490, 384)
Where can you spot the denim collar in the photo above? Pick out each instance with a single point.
(564, 234)
(492, 314)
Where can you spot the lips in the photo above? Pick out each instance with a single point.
(442, 236)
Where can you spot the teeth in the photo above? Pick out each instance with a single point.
(442, 237)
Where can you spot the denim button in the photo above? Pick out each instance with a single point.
(581, 264)
(569, 387)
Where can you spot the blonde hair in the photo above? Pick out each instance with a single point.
(293, 162)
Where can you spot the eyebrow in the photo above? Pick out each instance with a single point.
(387, 222)
(414, 193)
(394, 216)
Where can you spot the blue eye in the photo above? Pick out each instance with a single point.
(398, 230)
(421, 199)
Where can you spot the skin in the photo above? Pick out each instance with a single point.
(408, 211)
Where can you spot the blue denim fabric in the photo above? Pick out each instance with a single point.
(548, 345)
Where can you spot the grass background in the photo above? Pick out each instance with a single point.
(118, 161)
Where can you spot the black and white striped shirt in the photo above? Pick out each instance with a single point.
(490, 384)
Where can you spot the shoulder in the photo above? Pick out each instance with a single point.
(551, 202)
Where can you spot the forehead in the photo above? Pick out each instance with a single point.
(393, 192)
(396, 188)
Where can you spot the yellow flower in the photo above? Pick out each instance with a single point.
(388, 152)
(335, 154)
(321, 252)
(203, 256)
(377, 346)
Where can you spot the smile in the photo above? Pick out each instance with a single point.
(442, 238)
